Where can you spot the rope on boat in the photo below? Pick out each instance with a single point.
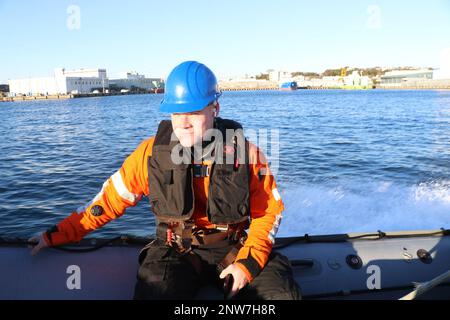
(421, 288)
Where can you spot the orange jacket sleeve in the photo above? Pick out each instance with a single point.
(121, 190)
(265, 212)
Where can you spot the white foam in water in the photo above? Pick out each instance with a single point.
(365, 207)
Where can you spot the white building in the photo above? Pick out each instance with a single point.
(331, 81)
(33, 86)
(279, 76)
(133, 79)
(444, 66)
(352, 80)
(84, 73)
(63, 82)
(355, 79)
(441, 74)
(399, 76)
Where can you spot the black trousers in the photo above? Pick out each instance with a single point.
(165, 274)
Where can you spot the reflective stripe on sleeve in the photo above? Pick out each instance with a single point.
(276, 194)
(121, 189)
(274, 230)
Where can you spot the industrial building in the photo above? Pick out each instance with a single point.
(353, 80)
(63, 82)
(399, 76)
(134, 80)
(279, 76)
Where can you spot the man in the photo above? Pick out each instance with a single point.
(206, 185)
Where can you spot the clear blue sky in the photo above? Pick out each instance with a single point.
(233, 37)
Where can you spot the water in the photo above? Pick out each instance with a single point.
(350, 161)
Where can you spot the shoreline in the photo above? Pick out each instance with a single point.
(68, 96)
(94, 95)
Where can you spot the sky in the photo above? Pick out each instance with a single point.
(232, 37)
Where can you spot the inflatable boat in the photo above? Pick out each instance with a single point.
(379, 265)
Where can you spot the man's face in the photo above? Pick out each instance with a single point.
(190, 127)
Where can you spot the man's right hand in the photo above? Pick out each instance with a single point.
(39, 244)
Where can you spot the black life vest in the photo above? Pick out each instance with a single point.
(171, 185)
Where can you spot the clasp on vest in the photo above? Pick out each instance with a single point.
(201, 170)
(222, 227)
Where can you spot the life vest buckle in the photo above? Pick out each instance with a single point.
(201, 170)
(222, 227)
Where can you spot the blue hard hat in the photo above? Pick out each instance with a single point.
(191, 86)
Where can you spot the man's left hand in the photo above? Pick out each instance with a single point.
(239, 278)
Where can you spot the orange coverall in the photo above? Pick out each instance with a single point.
(129, 184)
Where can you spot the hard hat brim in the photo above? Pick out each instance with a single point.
(185, 107)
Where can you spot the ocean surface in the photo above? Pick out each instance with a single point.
(345, 161)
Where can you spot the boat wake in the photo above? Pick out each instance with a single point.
(365, 207)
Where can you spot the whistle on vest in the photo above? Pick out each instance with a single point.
(179, 235)
(169, 237)
(172, 239)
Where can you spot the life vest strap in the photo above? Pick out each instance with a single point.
(183, 235)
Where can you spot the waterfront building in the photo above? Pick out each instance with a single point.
(356, 80)
(134, 80)
(63, 82)
(279, 76)
(399, 76)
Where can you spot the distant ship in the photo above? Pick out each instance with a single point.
(288, 86)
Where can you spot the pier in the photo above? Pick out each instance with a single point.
(32, 98)
(431, 84)
(249, 85)
(72, 96)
